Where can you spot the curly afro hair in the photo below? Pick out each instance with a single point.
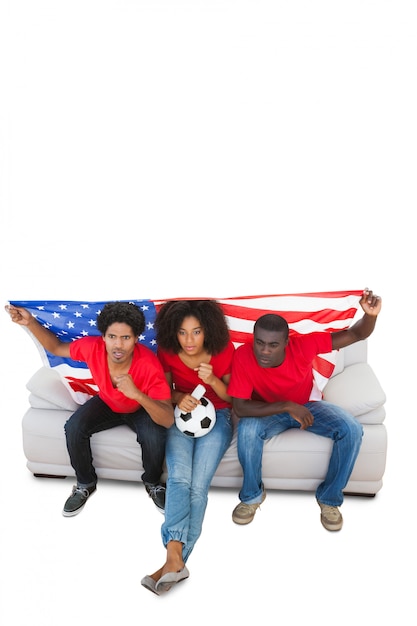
(122, 313)
(210, 316)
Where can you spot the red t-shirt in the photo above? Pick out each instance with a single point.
(292, 380)
(145, 370)
(185, 379)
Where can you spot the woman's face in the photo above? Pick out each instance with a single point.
(191, 336)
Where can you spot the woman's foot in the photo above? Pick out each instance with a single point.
(172, 572)
(173, 564)
(169, 579)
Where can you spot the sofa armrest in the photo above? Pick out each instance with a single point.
(47, 388)
(357, 390)
(356, 353)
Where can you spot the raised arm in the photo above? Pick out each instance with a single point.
(49, 341)
(371, 305)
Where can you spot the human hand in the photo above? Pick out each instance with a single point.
(188, 403)
(370, 303)
(126, 385)
(301, 414)
(205, 372)
(18, 315)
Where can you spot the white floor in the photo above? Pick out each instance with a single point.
(87, 569)
(284, 562)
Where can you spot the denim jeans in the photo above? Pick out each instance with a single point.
(95, 416)
(191, 465)
(329, 421)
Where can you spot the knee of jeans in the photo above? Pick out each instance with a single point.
(68, 426)
(248, 428)
(354, 429)
(74, 429)
(200, 489)
(174, 480)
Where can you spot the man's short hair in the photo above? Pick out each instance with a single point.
(272, 322)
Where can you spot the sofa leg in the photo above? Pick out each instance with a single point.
(48, 476)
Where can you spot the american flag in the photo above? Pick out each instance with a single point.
(304, 312)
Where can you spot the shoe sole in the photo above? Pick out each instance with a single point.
(72, 513)
(331, 527)
(241, 521)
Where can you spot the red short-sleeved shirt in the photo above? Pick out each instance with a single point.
(145, 369)
(186, 379)
(290, 381)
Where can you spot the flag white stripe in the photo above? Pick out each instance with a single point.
(302, 327)
(295, 303)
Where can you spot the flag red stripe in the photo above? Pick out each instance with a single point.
(323, 367)
(324, 315)
(238, 336)
(82, 385)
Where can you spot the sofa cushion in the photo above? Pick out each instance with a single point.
(357, 390)
(48, 391)
(40, 403)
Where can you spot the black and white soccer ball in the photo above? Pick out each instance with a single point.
(199, 422)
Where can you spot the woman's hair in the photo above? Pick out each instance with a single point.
(209, 314)
(272, 322)
(122, 313)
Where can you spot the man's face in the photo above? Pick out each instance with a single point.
(120, 342)
(269, 347)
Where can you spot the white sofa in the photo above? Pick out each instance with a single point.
(295, 460)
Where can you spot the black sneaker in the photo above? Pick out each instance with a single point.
(77, 500)
(157, 493)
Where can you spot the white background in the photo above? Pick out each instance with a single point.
(208, 148)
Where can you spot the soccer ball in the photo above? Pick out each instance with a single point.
(199, 422)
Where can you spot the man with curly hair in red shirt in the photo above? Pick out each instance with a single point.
(132, 390)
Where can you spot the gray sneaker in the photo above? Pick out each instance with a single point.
(77, 500)
(244, 513)
(330, 517)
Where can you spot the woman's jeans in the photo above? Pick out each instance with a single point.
(329, 421)
(95, 416)
(191, 465)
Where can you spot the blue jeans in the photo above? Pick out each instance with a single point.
(95, 416)
(191, 465)
(329, 421)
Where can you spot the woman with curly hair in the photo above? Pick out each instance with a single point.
(194, 348)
